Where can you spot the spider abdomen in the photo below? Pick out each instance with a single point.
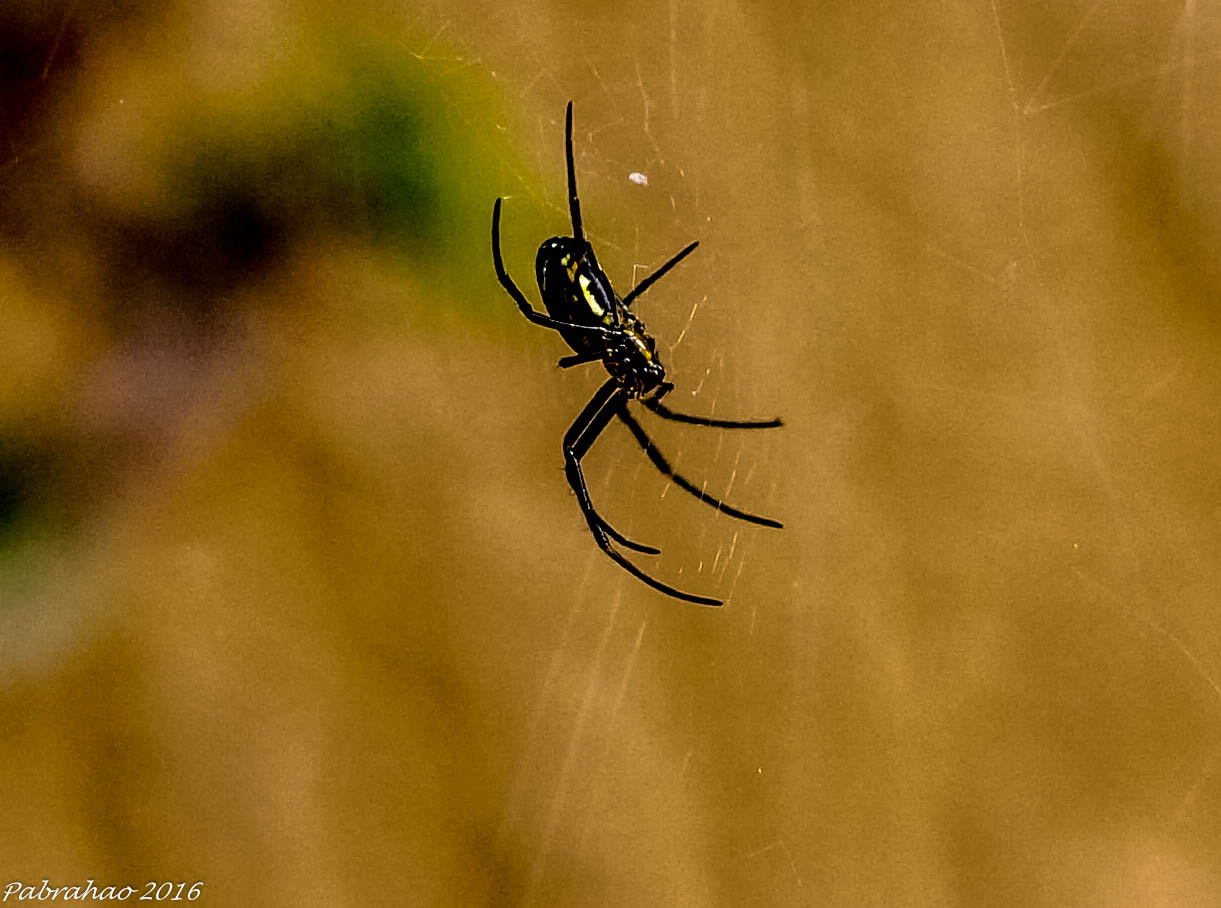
(574, 289)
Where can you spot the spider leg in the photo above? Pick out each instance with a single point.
(658, 274)
(663, 466)
(591, 413)
(574, 204)
(520, 298)
(601, 408)
(579, 359)
(654, 403)
(623, 540)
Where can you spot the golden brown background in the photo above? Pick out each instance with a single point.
(294, 599)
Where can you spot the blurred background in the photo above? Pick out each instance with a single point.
(294, 597)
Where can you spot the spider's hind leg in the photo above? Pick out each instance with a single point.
(574, 203)
(597, 332)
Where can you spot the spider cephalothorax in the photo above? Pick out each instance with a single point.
(633, 362)
(601, 327)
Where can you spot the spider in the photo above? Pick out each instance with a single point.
(600, 326)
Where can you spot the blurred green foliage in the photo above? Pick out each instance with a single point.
(367, 142)
(171, 187)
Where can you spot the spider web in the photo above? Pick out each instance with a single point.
(968, 329)
(967, 251)
(638, 201)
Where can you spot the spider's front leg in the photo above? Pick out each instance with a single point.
(603, 407)
(580, 359)
(663, 467)
(654, 403)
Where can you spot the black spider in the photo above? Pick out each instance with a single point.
(600, 326)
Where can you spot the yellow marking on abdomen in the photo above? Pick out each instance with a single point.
(590, 300)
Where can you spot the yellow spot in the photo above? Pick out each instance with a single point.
(590, 300)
